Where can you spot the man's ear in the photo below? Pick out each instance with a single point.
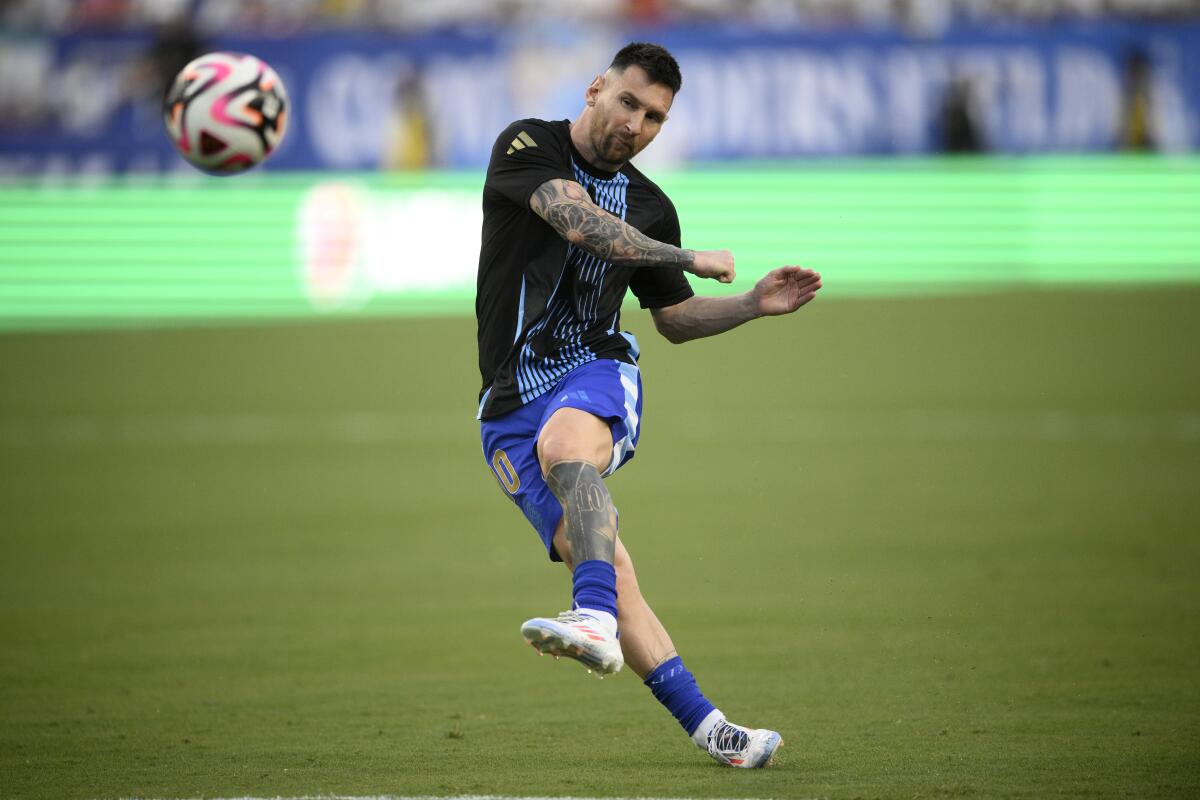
(589, 95)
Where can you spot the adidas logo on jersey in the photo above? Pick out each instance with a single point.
(522, 141)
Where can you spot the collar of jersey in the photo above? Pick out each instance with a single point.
(583, 163)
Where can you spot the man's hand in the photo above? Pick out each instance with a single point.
(713, 264)
(783, 290)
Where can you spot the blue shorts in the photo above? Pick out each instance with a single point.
(607, 388)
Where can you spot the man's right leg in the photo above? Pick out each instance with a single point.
(649, 652)
(583, 443)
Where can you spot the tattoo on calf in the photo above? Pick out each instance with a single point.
(591, 518)
(567, 207)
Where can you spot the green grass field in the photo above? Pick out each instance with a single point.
(947, 546)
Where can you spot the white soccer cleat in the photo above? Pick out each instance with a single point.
(742, 747)
(576, 636)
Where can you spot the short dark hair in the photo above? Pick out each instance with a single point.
(659, 64)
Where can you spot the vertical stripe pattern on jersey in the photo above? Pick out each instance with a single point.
(520, 313)
(571, 314)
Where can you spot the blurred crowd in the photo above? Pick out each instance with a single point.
(417, 100)
(282, 17)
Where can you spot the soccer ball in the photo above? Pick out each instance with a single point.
(226, 112)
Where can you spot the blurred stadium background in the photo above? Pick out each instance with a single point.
(820, 122)
(239, 475)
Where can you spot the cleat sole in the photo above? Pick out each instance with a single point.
(547, 642)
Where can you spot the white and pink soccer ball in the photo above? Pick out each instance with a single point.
(226, 112)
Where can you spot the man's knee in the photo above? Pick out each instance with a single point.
(574, 435)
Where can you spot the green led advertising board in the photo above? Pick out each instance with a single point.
(263, 246)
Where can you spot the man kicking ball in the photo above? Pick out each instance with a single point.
(569, 225)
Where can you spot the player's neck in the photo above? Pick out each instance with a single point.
(583, 146)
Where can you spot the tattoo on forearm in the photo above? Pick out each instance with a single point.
(591, 518)
(566, 206)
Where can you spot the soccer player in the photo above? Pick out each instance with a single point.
(568, 226)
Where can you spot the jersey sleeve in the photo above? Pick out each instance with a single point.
(659, 287)
(526, 155)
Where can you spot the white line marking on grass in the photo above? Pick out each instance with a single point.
(373, 428)
(451, 797)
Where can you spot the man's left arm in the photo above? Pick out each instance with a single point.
(781, 291)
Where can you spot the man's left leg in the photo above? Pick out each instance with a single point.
(572, 448)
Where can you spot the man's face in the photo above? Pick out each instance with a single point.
(628, 112)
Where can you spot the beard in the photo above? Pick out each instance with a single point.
(617, 149)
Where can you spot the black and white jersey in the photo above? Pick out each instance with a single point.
(543, 305)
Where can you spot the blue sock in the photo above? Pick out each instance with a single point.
(676, 688)
(596, 586)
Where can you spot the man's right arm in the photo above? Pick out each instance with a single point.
(566, 207)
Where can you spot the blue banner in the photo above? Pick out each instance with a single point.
(360, 101)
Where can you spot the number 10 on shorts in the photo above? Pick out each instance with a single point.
(505, 472)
